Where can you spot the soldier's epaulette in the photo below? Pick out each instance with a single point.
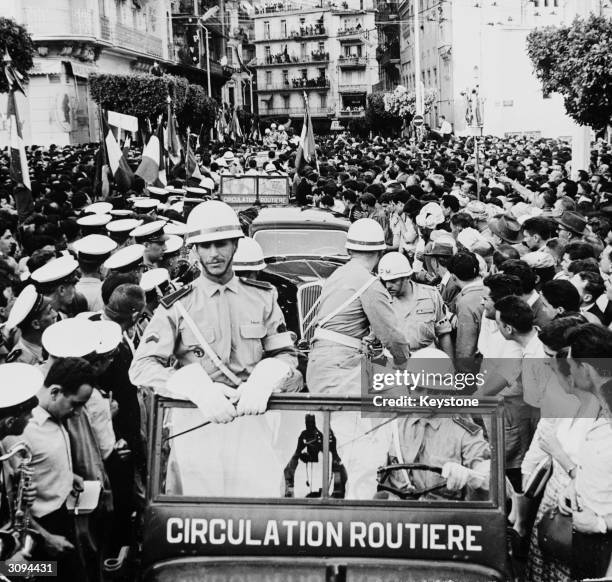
(169, 300)
(256, 283)
(471, 427)
(16, 353)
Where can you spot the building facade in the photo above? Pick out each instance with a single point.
(74, 38)
(388, 50)
(469, 45)
(327, 53)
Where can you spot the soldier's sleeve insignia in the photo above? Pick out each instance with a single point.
(152, 338)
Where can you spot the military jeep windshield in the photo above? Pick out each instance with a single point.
(314, 478)
(302, 243)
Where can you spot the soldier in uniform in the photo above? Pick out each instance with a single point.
(56, 280)
(119, 230)
(454, 444)
(152, 236)
(19, 384)
(352, 301)
(419, 307)
(92, 251)
(233, 351)
(249, 258)
(129, 259)
(32, 313)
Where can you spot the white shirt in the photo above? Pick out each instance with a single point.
(535, 372)
(501, 356)
(594, 468)
(98, 411)
(51, 461)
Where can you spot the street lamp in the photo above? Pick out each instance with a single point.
(207, 15)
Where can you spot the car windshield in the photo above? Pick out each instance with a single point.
(301, 242)
(306, 449)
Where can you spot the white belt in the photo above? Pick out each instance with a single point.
(339, 338)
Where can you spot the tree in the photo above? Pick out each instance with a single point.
(15, 39)
(576, 62)
(402, 103)
(199, 111)
(378, 119)
(142, 96)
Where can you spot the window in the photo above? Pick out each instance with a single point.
(323, 98)
(302, 21)
(283, 28)
(360, 4)
(303, 51)
(268, 77)
(286, 101)
(285, 77)
(322, 73)
(321, 47)
(268, 54)
(266, 30)
(304, 73)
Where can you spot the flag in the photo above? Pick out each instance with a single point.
(173, 144)
(191, 164)
(19, 171)
(236, 131)
(306, 152)
(127, 144)
(255, 131)
(121, 171)
(152, 169)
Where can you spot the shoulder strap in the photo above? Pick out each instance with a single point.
(346, 303)
(205, 345)
(335, 312)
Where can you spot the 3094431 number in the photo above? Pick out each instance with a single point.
(28, 569)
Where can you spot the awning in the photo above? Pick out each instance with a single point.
(81, 70)
(46, 67)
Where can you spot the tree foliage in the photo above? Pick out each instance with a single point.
(378, 119)
(576, 62)
(142, 96)
(402, 103)
(16, 39)
(200, 110)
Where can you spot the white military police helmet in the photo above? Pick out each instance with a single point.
(281, 128)
(365, 234)
(249, 256)
(212, 220)
(394, 266)
(273, 126)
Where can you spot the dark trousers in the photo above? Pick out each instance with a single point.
(590, 555)
(69, 566)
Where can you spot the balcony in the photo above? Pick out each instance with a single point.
(352, 62)
(314, 85)
(351, 113)
(283, 60)
(296, 111)
(306, 33)
(125, 37)
(79, 23)
(356, 89)
(60, 23)
(351, 34)
(278, 8)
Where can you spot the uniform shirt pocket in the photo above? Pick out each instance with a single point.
(190, 342)
(252, 335)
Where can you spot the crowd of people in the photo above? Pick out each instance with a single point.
(499, 263)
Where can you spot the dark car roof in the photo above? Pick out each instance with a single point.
(295, 217)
